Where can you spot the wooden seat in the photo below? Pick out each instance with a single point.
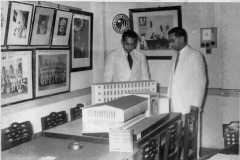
(53, 119)
(16, 134)
(171, 148)
(76, 112)
(190, 134)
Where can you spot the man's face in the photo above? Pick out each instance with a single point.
(128, 44)
(43, 24)
(175, 43)
(62, 25)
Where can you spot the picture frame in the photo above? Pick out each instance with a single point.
(16, 76)
(51, 72)
(4, 20)
(19, 24)
(62, 26)
(82, 41)
(42, 26)
(152, 26)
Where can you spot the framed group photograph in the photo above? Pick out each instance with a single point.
(19, 23)
(62, 28)
(152, 26)
(16, 76)
(51, 72)
(82, 37)
(42, 26)
(4, 16)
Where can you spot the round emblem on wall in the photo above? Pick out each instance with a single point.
(121, 23)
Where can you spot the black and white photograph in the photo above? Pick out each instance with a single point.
(120, 80)
(82, 35)
(154, 26)
(52, 72)
(4, 16)
(16, 76)
(42, 26)
(19, 23)
(62, 28)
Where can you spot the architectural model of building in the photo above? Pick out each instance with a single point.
(153, 99)
(100, 117)
(104, 92)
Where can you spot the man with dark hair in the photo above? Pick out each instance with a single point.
(126, 63)
(188, 77)
(62, 26)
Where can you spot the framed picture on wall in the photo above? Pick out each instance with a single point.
(16, 76)
(82, 37)
(62, 28)
(4, 16)
(51, 72)
(19, 24)
(42, 26)
(152, 26)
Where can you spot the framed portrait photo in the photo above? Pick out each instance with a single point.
(81, 49)
(51, 72)
(42, 26)
(19, 24)
(16, 76)
(152, 26)
(62, 28)
(4, 16)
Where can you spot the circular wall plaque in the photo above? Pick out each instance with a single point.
(121, 23)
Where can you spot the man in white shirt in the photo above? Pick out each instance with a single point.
(117, 66)
(188, 77)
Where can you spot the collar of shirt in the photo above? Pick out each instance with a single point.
(183, 50)
(126, 54)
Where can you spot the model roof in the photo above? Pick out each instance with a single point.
(124, 82)
(122, 102)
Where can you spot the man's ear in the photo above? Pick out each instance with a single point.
(182, 39)
(136, 43)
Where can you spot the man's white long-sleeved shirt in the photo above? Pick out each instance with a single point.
(187, 84)
(117, 67)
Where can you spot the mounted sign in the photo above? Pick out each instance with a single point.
(121, 23)
(208, 37)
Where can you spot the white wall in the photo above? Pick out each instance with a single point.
(34, 110)
(222, 65)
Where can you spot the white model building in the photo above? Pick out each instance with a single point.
(104, 92)
(100, 117)
(153, 100)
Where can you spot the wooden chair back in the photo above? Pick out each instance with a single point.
(167, 148)
(172, 148)
(149, 150)
(76, 112)
(16, 134)
(191, 134)
(53, 119)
